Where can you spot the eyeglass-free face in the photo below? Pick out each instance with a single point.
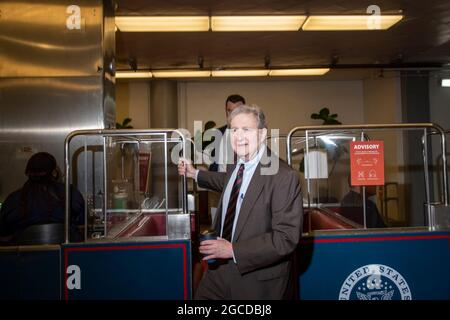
(245, 136)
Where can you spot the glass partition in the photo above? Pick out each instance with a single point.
(141, 194)
(403, 199)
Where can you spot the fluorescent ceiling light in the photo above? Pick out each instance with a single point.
(256, 23)
(162, 24)
(361, 22)
(445, 82)
(240, 73)
(132, 74)
(298, 72)
(181, 74)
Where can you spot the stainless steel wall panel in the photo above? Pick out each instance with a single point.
(37, 114)
(53, 80)
(109, 65)
(36, 42)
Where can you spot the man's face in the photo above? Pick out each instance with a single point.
(231, 106)
(245, 135)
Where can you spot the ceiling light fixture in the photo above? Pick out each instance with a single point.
(181, 74)
(221, 73)
(162, 24)
(350, 22)
(256, 23)
(445, 82)
(299, 72)
(133, 74)
(240, 73)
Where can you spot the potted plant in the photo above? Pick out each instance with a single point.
(125, 124)
(324, 114)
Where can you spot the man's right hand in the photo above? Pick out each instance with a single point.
(186, 168)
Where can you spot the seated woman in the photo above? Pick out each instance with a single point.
(40, 200)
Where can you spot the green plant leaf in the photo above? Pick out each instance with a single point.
(324, 111)
(336, 151)
(125, 124)
(126, 121)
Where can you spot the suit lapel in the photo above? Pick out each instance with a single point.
(251, 195)
(254, 189)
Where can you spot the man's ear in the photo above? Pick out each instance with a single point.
(263, 135)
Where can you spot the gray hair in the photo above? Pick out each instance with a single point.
(253, 110)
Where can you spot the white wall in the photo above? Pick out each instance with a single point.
(382, 104)
(439, 114)
(286, 103)
(382, 100)
(133, 101)
(439, 102)
(122, 101)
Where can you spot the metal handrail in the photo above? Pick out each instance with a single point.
(112, 133)
(402, 126)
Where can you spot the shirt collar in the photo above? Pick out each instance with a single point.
(255, 160)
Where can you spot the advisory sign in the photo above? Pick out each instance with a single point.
(367, 163)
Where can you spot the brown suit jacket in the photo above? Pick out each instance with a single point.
(267, 232)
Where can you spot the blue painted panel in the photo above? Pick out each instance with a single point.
(376, 266)
(30, 273)
(39, 274)
(135, 270)
(9, 275)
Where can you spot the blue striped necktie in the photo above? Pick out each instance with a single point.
(232, 202)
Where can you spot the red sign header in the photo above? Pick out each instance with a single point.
(367, 163)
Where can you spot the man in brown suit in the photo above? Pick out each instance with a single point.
(259, 219)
